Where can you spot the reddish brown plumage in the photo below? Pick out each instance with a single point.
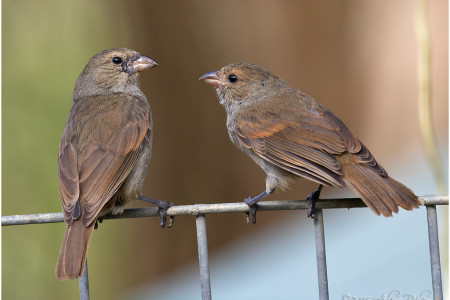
(289, 134)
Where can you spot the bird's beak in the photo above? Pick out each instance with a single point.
(140, 63)
(211, 78)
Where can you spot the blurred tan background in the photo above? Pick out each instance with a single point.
(358, 58)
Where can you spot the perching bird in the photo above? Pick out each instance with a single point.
(105, 150)
(290, 135)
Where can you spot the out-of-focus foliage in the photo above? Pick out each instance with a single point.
(45, 46)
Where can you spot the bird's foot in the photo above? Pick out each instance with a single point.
(163, 206)
(99, 220)
(252, 204)
(163, 214)
(312, 199)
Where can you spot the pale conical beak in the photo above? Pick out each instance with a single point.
(141, 63)
(211, 78)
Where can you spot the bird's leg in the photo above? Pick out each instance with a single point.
(252, 203)
(163, 206)
(312, 198)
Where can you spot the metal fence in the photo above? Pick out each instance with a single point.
(200, 210)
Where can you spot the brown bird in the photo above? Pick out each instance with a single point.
(290, 135)
(104, 152)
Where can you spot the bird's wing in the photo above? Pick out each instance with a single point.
(306, 143)
(69, 180)
(93, 174)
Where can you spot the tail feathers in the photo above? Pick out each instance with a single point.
(383, 195)
(72, 257)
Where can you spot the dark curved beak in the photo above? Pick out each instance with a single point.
(211, 78)
(141, 63)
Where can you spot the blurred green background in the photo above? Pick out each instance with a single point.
(358, 58)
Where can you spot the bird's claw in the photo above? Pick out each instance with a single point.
(252, 207)
(163, 206)
(312, 199)
(99, 220)
(311, 206)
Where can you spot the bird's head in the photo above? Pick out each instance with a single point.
(112, 70)
(239, 82)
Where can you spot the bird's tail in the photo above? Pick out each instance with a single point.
(72, 257)
(382, 194)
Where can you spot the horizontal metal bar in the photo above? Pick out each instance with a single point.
(32, 219)
(433, 200)
(197, 209)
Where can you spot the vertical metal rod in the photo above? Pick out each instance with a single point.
(433, 237)
(320, 255)
(83, 283)
(203, 257)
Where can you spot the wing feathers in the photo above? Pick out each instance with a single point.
(91, 173)
(68, 180)
(305, 148)
(295, 169)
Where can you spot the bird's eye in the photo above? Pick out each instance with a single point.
(116, 60)
(232, 78)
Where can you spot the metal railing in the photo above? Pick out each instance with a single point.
(200, 210)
